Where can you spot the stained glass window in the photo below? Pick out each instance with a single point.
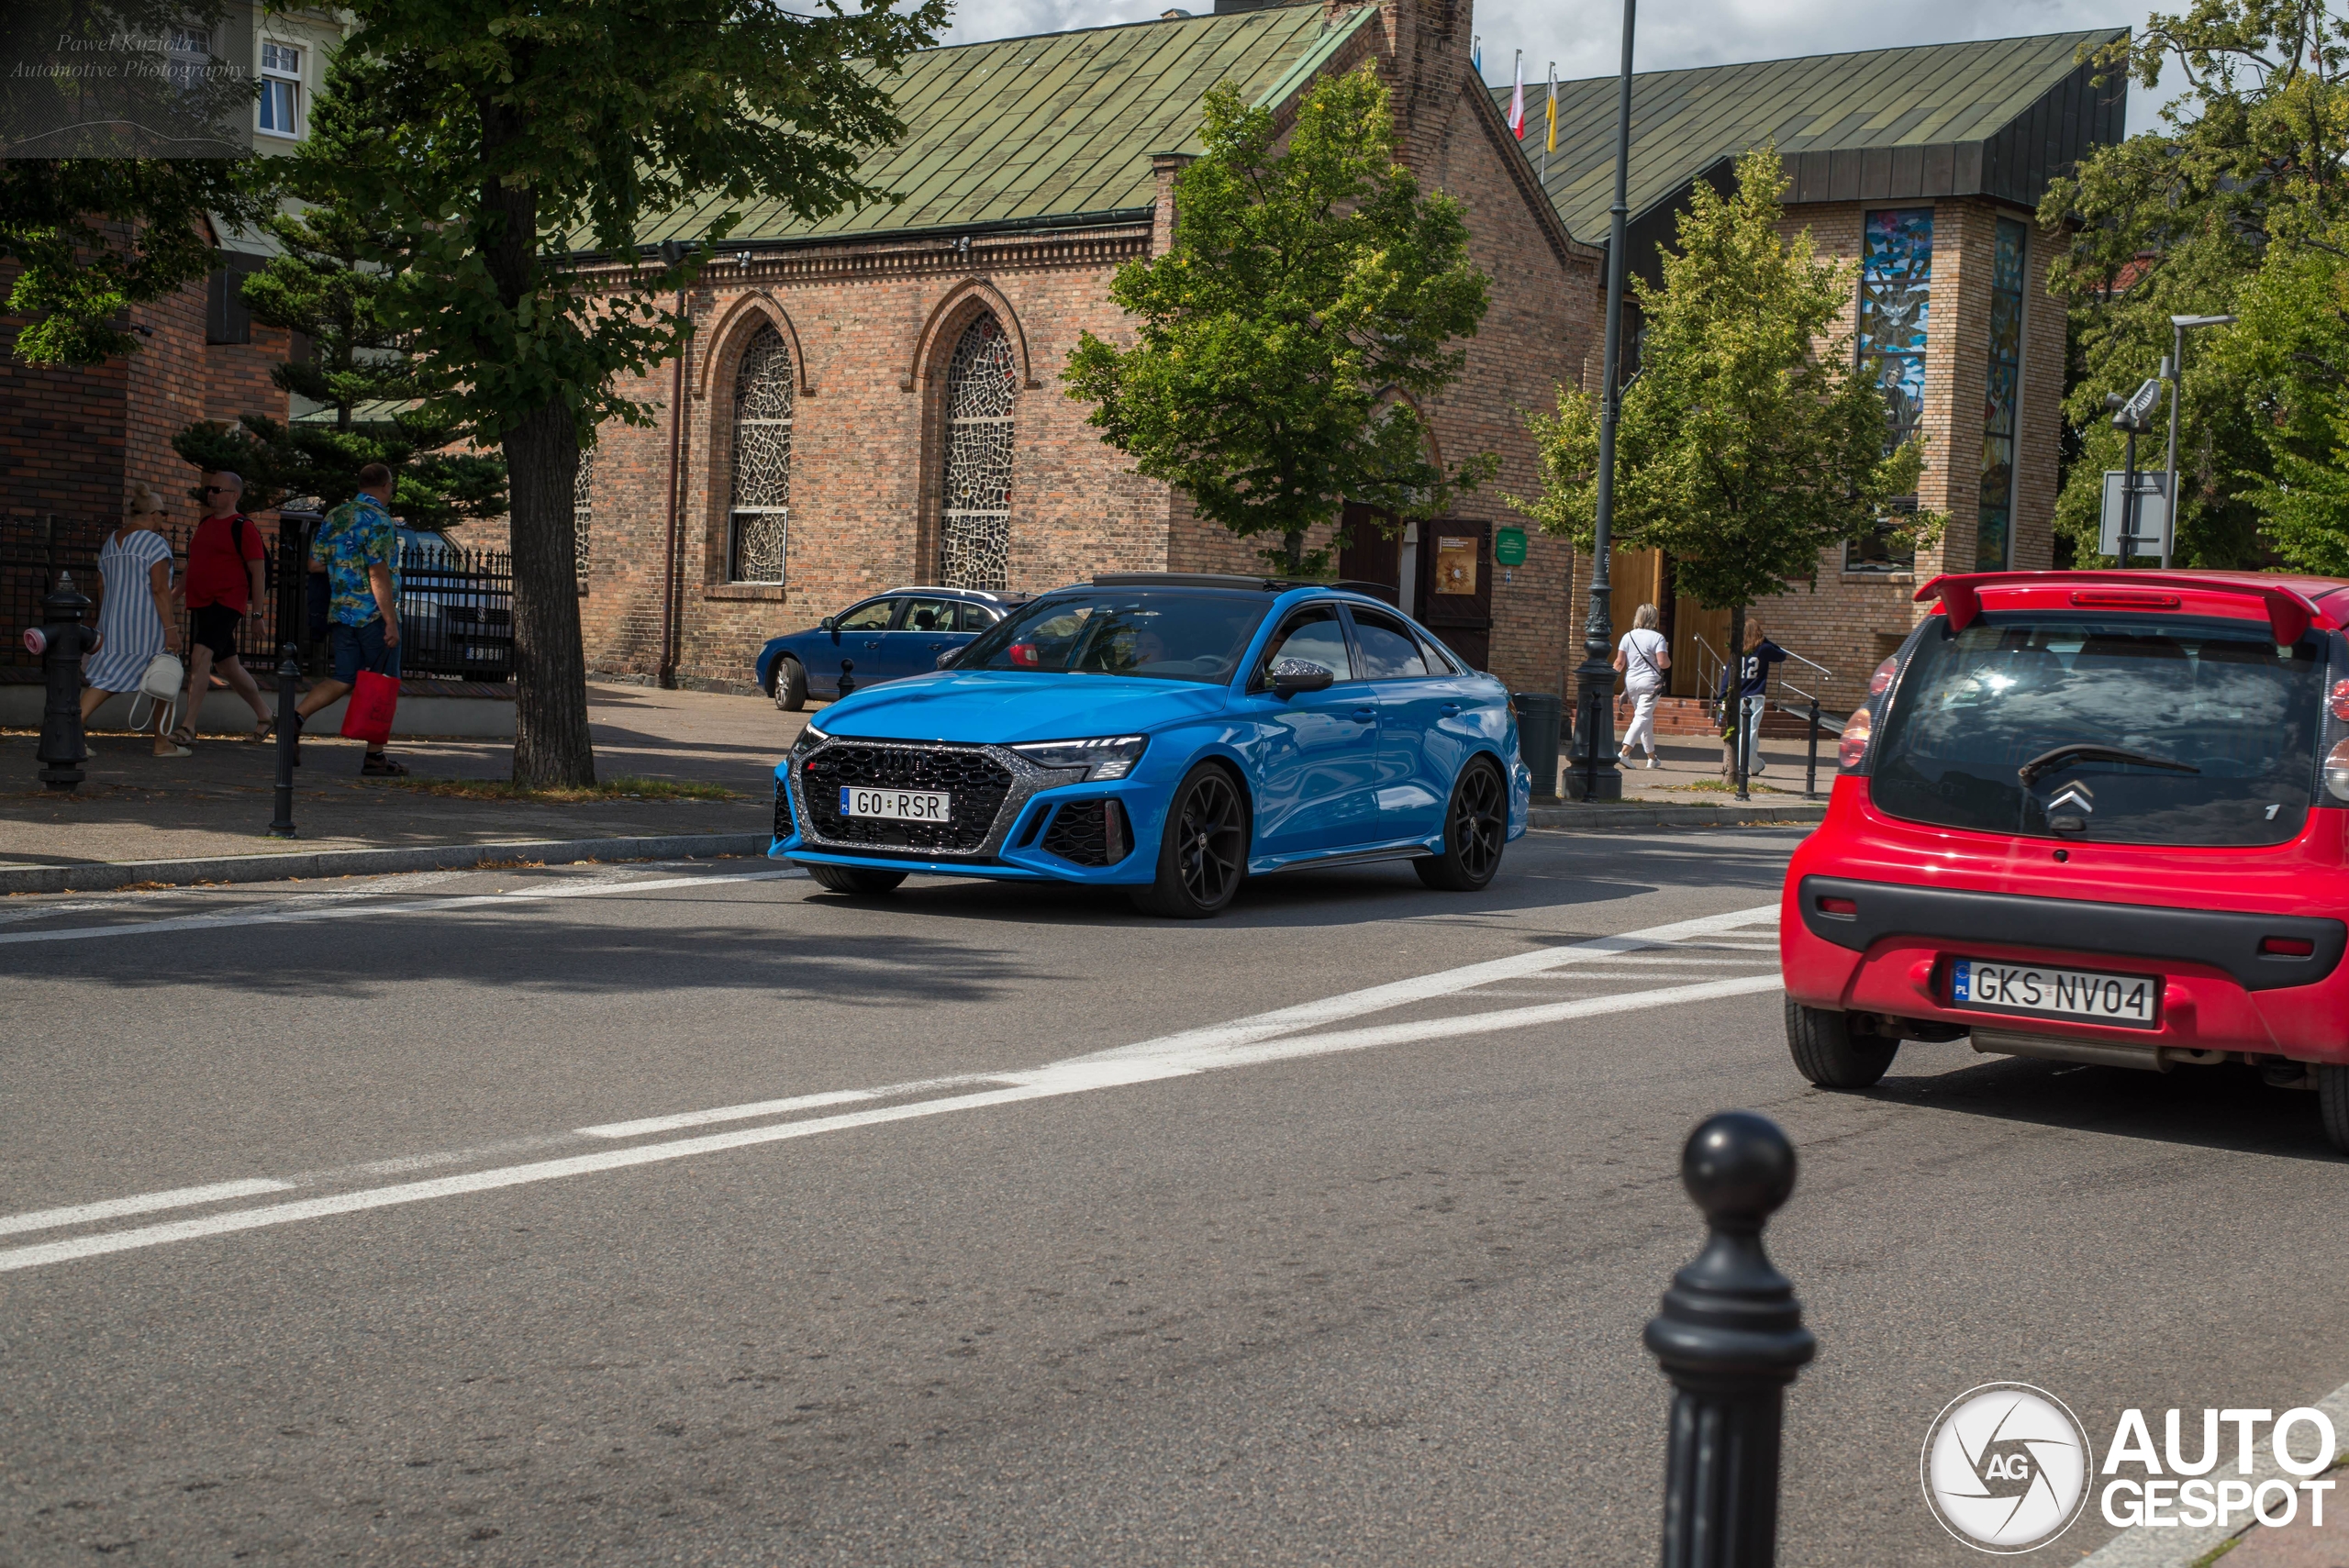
(758, 520)
(975, 539)
(1895, 295)
(2000, 397)
(582, 512)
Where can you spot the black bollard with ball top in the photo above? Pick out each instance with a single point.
(289, 736)
(1730, 1339)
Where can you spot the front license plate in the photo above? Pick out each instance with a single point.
(2129, 1000)
(898, 804)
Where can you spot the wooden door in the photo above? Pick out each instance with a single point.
(1690, 622)
(1634, 577)
(1455, 587)
(1372, 558)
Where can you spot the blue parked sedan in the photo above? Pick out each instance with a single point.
(887, 638)
(1170, 734)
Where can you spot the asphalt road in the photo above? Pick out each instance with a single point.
(390, 1222)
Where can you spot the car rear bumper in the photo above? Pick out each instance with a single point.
(1861, 932)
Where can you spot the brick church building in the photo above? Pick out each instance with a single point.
(875, 400)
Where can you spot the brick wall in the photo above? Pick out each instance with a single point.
(60, 433)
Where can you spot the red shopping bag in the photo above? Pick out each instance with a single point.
(368, 715)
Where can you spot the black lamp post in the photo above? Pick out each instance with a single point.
(1593, 774)
(2132, 417)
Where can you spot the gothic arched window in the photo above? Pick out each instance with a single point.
(583, 513)
(758, 519)
(974, 546)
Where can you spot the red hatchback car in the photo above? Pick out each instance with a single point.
(2096, 816)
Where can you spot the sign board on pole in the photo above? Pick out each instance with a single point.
(2153, 511)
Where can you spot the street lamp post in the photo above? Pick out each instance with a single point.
(1593, 774)
(2173, 372)
(2131, 415)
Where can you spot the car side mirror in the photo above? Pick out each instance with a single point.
(1291, 677)
(829, 623)
(947, 657)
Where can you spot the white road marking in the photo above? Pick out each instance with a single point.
(145, 1202)
(286, 915)
(1243, 1043)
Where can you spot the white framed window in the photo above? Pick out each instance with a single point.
(281, 88)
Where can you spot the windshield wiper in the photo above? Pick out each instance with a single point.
(2089, 752)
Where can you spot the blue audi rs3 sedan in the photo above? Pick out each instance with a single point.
(1170, 735)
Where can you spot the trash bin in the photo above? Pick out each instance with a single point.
(1539, 717)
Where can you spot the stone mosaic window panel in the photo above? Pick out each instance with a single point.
(2001, 395)
(981, 381)
(1896, 298)
(583, 515)
(758, 519)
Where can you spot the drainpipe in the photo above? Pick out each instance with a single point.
(668, 672)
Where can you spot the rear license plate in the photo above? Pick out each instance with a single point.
(2129, 1000)
(898, 804)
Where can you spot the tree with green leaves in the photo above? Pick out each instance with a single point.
(2245, 174)
(321, 288)
(507, 160)
(1310, 282)
(1748, 443)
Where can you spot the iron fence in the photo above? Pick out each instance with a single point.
(456, 606)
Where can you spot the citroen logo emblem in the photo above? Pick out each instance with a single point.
(2074, 794)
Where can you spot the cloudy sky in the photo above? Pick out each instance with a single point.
(1585, 38)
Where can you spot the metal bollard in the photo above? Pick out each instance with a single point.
(64, 746)
(848, 676)
(1730, 1339)
(1810, 778)
(289, 676)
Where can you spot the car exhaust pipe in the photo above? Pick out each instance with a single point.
(2147, 1058)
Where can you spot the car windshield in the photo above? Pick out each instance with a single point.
(1154, 634)
(2068, 693)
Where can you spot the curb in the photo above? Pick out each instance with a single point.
(1673, 814)
(102, 876)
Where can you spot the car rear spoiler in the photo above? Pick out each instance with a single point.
(2289, 612)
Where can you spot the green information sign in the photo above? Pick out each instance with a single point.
(1509, 546)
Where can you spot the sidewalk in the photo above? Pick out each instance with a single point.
(1684, 789)
(140, 813)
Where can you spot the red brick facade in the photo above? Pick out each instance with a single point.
(872, 323)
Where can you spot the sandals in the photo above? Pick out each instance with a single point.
(176, 751)
(184, 736)
(263, 730)
(379, 766)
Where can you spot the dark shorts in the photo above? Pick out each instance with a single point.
(215, 627)
(357, 648)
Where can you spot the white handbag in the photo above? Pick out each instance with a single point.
(161, 687)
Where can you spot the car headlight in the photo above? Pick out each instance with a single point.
(1109, 757)
(809, 739)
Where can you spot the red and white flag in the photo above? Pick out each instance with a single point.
(1517, 100)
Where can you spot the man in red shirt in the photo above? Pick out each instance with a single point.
(224, 577)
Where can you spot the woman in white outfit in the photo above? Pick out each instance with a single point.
(135, 619)
(1641, 658)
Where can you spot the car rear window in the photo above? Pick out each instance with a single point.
(2218, 696)
(1164, 635)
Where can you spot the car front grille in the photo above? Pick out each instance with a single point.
(1090, 832)
(976, 781)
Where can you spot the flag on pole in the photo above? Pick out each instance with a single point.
(1551, 104)
(1517, 99)
(1476, 55)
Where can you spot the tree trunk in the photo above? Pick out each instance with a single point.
(550, 741)
(1294, 540)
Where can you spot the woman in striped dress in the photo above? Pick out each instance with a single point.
(135, 619)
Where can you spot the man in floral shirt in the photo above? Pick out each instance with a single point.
(354, 547)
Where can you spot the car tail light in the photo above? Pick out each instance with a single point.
(2287, 947)
(1891, 667)
(2339, 701)
(1853, 748)
(1023, 656)
(2336, 770)
(1845, 907)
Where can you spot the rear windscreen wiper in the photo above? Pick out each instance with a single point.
(2088, 752)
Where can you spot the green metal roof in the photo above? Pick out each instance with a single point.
(1058, 124)
(1928, 97)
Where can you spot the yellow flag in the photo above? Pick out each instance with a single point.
(1552, 107)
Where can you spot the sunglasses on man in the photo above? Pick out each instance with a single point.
(217, 490)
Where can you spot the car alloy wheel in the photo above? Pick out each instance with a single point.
(1476, 826)
(1204, 854)
(790, 685)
